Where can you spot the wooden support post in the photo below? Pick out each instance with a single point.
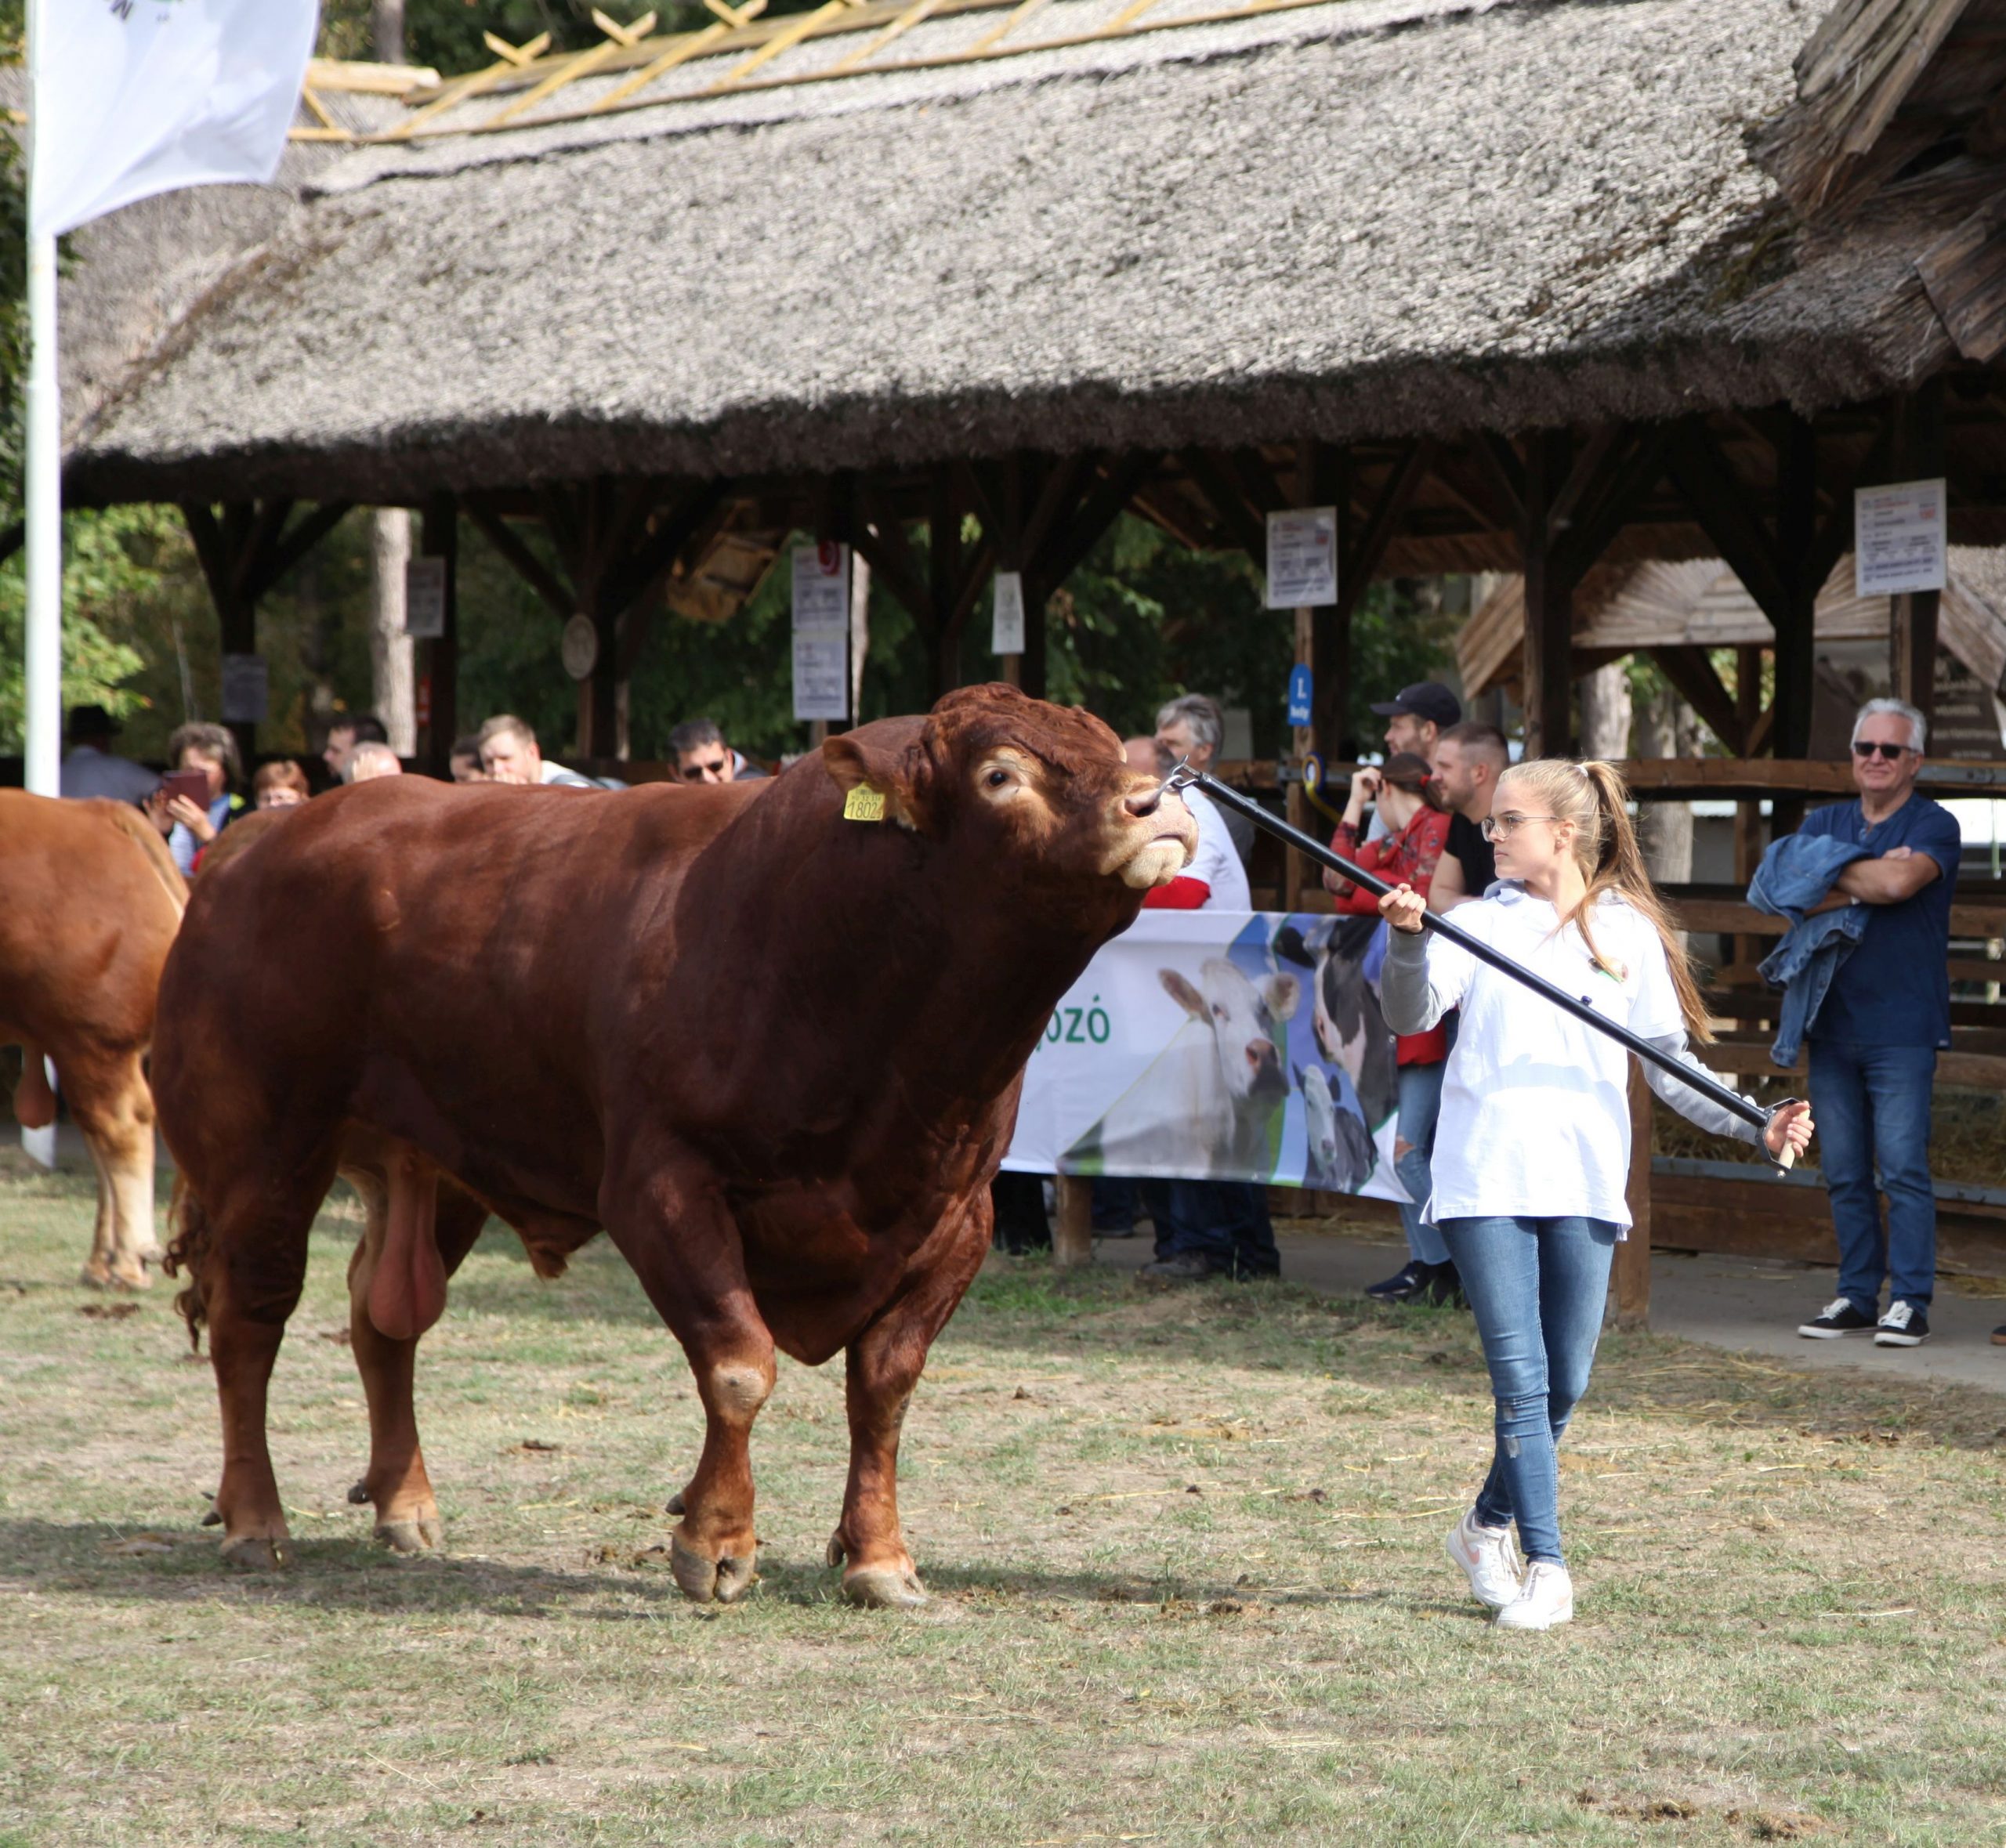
(943, 577)
(1331, 639)
(1010, 554)
(1633, 1255)
(1302, 739)
(1747, 816)
(1549, 645)
(1911, 633)
(1797, 517)
(440, 538)
(1073, 1229)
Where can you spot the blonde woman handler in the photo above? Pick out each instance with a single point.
(1533, 1149)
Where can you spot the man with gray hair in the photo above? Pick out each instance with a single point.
(1191, 727)
(1875, 1032)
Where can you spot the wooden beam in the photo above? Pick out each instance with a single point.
(944, 575)
(286, 550)
(891, 559)
(559, 597)
(439, 537)
(1690, 670)
(1911, 633)
(1101, 507)
(1357, 568)
(1242, 523)
(1602, 513)
(1330, 625)
(1795, 623)
(1707, 482)
(629, 572)
(1549, 643)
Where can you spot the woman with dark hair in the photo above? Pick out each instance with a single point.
(1408, 853)
(279, 784)
(190, 825)
(1532, 1150)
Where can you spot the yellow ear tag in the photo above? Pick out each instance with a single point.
(864, 804)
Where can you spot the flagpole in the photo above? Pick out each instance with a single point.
(42, 512)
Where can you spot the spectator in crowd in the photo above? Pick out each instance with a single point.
(464, 760)
(369, 760)
(1204, 1228)
(1189, 729)
(191, 826)
(92, 769)
(702, 756)
(509, 754)
(1466, 763)
(1417, 715)
(1875, 1034)
(279, 784)
(344, 735)
(1409, 854)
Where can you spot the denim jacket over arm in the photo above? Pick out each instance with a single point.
(1795, 874)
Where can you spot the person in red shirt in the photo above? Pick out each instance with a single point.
(1410, 853)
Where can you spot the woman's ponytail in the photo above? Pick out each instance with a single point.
(1593, 796)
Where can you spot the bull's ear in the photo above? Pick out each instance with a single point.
(1283, 993)
(853, 764)
(1180, 990)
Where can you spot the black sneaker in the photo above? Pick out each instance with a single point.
(1413, 1275)
(1840, 1318)
(1184, 1267)
(1905, 1325)
(1443, 1288)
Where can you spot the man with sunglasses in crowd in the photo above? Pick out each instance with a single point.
(702, 756)
(1875, 1037)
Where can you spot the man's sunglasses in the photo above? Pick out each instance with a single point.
(1891, 752)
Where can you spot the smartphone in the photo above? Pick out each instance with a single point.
(193, 784)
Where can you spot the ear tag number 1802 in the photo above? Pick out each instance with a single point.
(864, 804)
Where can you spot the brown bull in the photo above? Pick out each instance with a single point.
(89, 903)
(773, 1050)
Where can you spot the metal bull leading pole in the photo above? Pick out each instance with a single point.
(1184, 777)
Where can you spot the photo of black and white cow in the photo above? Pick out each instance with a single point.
(1351, 1031)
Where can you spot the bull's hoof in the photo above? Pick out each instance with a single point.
(358, 1494)
(884, 1588)
(213, 1518)
(421, 1535)
(675, 1503)
(727, 1580)
(255, 1553)
(98, 1274)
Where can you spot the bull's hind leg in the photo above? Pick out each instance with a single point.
(249, 1258)
(396, 1480)
(672, 1227)
(884, 1363)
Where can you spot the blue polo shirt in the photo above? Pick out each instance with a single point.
(1894, 989)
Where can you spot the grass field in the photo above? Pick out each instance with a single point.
(1184, 1548)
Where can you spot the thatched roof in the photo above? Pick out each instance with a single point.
(1357, 219)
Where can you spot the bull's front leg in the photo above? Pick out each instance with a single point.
(670, 1223)
(884, 1363)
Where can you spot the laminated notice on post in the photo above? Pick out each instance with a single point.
(1898, 540)
(821, 677)
(821, 631)
(1303, 558)
(1006, 629)
(246, 690)
(425, 599)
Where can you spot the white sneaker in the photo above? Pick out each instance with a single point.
(1490, 1556)
(1546, 1598)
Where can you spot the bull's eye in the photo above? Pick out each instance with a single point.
(997, 779)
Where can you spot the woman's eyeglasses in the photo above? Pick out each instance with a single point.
(1497, 827)
(1891, 752)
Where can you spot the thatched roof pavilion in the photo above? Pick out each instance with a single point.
(1546, 280)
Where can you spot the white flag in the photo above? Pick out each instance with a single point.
(135, 97)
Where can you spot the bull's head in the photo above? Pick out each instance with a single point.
(1041, 792)
(1245, 1021)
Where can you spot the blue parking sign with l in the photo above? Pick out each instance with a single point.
(1301, 695)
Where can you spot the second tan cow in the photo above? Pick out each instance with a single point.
(90, 904)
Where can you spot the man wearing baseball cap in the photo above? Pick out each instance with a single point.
(1417, 715)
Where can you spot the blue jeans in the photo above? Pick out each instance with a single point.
(1225, 1222)
(1537, 1287)
(1871, 1105)
(1420, 1104)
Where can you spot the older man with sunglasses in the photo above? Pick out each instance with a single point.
(1875, 1035)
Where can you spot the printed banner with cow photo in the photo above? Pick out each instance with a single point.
(1227, 1046)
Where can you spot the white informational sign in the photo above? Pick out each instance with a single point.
(425, 599)
(1127, 1079)
(821, 631)
(1303, 558)
(135, 99)
(1899, 542)
(1006, 631)
(246, 690)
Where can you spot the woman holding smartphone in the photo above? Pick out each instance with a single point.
(1532, 1151)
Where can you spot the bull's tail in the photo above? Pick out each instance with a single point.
(129, 821)
(187, 1249)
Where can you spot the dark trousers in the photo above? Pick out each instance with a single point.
(1225, 1222)
(1022, 1224)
